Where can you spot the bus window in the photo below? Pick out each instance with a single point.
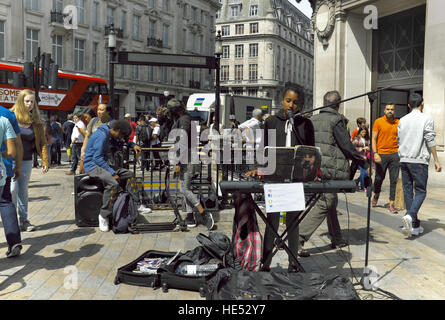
(65, 84)
(92, 90)
(103, 88)
(4, 77)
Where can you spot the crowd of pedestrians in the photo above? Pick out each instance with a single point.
(390, 144)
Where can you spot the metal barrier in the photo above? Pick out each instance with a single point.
(154, 173)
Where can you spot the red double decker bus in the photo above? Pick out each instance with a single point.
(72, 90)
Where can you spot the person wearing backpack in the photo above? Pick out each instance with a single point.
(143, 135)
(96, 166)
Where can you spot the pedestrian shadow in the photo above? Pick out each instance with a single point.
(43, 185)
(30, 261)
(357, 236)
(55, 224)
(37, 199)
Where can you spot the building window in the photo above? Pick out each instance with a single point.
(136, 23)
(79, 54)
(95, 14)
(252, 92)
(151, 3)
(202, 17)
(238, 72)
(238, 91)
(80, 5)
(234, 11)
(150, 73)
(194, 14)
(166, 5)
(58, 5)
(32, 43)
(239, 51)
(151, 28)
(110, 16)
(94, 57)
(135, 72)
(2, 39)
(253, 72)
(224, 73)
(32, 5)
(165, 31)
(239, 29)
(225, 52)
(225, 30)
(253, 10)
(253, 50)
(254, 27)
(57, 45)
(201, 44)
(184, 39)
(124, 21)
(218, 14)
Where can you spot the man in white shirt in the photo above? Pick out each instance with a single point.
(249, 128)
(155, 141)
(415, 136)
(76, 143)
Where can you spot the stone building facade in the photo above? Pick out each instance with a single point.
(161, 26)
(267, 44)
(403, 48)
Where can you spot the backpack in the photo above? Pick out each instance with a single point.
(247, 240)
(145, 134)
(219, 246)
(125, 213)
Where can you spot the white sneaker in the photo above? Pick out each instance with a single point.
(417, 231)
(103, 224)
(144, 209)
(407, 224)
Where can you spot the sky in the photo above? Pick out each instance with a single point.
(304, 6)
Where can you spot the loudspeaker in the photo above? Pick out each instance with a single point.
(88, 193)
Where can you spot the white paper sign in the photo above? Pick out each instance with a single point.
(286, 197)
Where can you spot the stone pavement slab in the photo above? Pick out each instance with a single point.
(60, 261)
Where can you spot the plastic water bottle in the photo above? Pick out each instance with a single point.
(283, 217)
(198, 270)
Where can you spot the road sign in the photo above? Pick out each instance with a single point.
(169, 60)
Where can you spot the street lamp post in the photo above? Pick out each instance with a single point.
(218, 52)
(112, 47)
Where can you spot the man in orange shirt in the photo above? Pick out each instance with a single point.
(385, 148)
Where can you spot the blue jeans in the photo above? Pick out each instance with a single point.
(9, 215)
(414, 179)
(19, 190)
(363, 175)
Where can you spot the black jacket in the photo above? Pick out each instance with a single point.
(303, 131)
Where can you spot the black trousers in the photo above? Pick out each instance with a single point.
(389, 162)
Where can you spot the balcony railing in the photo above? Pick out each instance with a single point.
(57, 17)
(118, 31)
(152, 42)
(195, 84)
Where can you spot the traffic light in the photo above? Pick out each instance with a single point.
(46, 62)
(28, 72)
(53, 72)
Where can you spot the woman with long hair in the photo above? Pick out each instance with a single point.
(33, 138)
(361, 143)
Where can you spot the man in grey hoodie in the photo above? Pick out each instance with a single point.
(416, 143)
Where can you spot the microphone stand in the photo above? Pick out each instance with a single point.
(372, 95)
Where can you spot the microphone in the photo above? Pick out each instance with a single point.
(290, 114)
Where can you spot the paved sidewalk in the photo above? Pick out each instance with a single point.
(408, 268)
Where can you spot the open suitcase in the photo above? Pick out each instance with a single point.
(166, 276)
